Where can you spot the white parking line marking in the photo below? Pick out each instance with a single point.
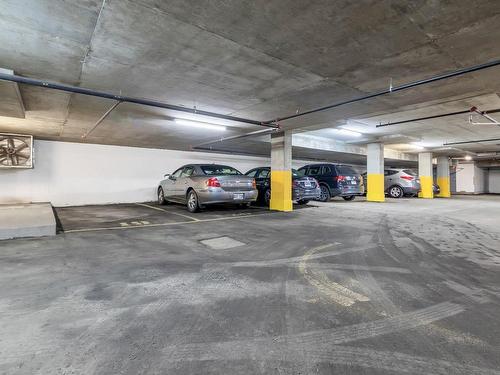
(170, 212)
(164, 224)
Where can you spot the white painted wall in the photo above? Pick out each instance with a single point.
(494, 181)
(470, 178)
(76, 174)
(479, 179)
(465, 178)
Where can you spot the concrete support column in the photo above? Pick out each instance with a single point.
(281, 171)
(375, 172)
(443, 177)
(425, 175)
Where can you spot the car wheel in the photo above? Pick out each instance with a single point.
(303, 201)
(192, 202)
(325, 194)
(349, 197)
(161, 197)
(267, 197)
(395, 192)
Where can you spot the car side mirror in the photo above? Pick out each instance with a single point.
(172, 177)
(167, 175)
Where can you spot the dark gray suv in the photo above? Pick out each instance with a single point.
(335, 180)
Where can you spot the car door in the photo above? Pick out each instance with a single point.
(169, 185)
(183, 183)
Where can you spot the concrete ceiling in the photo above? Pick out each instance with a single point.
(257, 59)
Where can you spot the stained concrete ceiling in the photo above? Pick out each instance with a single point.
(259, 59)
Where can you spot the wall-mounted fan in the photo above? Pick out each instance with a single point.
(16, 151)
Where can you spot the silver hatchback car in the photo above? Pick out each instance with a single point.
(399, 182)
(197, 185)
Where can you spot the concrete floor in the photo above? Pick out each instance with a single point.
(409, 286)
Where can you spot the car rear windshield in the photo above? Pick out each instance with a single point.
(296, 173)
(410, 172)
(345, 170)
(219, 170)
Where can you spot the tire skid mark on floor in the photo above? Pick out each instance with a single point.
(379, 297)
(293, 261)
(358, 267)
(343, 355)
(323, 346)
(335, 291)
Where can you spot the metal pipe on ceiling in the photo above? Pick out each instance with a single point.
(475, 141)
(431, 117)
(392, 89)
(128, 99)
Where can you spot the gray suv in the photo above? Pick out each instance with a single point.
(399, 182)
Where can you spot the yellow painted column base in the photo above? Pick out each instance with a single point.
(375, 187)
(426, 188)
(444, 187)
(281, 191)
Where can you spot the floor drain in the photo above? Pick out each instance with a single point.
(221, 243)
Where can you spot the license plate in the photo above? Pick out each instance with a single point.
(239, 196)
(353, 182)
(307, 183)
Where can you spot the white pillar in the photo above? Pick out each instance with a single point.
(375, 190)
(281, 171)
(425, 175)
(443, 176)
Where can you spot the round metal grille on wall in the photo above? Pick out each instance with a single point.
(15, 151)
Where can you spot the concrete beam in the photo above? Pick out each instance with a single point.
(11, 102)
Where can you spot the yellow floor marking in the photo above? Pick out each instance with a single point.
(166, 224)
(338, 293)
(167, 211)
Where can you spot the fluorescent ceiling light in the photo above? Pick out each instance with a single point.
(350, 133)
(417, 145)
(468, 157)
(199, 124)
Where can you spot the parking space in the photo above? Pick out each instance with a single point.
(147, 214)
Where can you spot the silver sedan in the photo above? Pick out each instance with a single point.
(197, 185)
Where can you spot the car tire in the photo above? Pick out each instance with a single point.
(161, 197)
(395, 192)
(192, 203)
(267, 197)
(349, 197)
(325, 193)
(303, 201)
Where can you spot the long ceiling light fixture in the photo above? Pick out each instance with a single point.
(200, 124)
(347, 132)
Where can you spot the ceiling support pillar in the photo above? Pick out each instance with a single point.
(375, 172)
(443, 177)
(425, 175)
(281, 171)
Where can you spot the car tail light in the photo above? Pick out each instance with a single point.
(340, 178)
(409, 178)
(214, 182)
(254, 184)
